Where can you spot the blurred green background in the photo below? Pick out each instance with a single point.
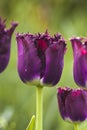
(17, 100)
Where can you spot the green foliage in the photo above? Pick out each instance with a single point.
(65, 16)
(31, 125)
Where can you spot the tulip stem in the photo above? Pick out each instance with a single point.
(76, 126)
(39, 107)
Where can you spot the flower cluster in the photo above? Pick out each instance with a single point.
(41, 61)
(73, 102)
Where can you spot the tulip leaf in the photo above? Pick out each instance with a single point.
(31, 124)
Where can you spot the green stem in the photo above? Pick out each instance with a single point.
(76, 126)
(39, 107)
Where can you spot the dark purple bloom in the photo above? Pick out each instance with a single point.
(79, 46)
(72, 104)
(5, 43)
(40, 57)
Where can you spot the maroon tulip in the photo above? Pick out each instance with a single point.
(79, 46)
(72, 104)
(5, 44)
(40, 57)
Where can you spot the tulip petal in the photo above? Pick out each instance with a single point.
(76, 45)
(80, 70)
(28, 61)
(76, 105)
(61, 96)
(54, 63)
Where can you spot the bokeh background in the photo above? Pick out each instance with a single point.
(17, 100)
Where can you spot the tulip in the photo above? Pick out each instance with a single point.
(72, 104)
(79, 46)
(5, 43)
(40, 58)
(40, 62)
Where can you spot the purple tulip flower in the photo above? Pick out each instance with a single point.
(72, 104)
(5, 43)
(79, 46)
(40, 57)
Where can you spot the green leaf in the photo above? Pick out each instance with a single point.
(31, 124)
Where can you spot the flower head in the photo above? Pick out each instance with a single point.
(40, 57)
(5, 43)
(72, 104)
(79, 46)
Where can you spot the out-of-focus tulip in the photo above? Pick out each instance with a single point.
(5, 43)
(72, 104)
(79, 46)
